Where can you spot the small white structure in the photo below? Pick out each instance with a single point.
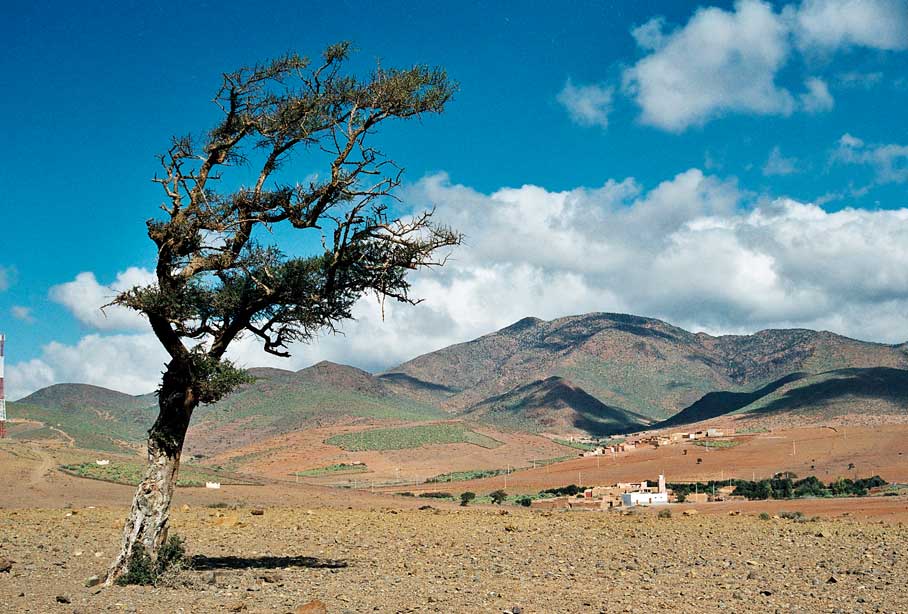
(630, 499)
(212, 484)
(645, 496)
(102, 462)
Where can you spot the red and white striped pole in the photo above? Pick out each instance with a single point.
(2, 392)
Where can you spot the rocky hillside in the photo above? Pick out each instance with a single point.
(93, 417)
(279, 401)
(284, 401)
(554, 405)
(597, 373)
(639, 365)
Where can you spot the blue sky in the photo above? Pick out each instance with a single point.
(607, 118)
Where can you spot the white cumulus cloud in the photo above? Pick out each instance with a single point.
(22, 313)
(588, 105)
(130, 363)
(778, 164)
(888, 160)
(695, 250)
(719, 62)
(724, 62)
(85, 297)
(829, 24)
(817, 97)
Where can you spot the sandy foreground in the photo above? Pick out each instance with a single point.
(456, 560)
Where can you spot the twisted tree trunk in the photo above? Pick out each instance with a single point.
(146, 526)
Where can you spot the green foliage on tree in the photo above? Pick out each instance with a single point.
(498, 496)
(466, 498)
(564, 491)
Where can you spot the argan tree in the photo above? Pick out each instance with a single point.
(220, 273)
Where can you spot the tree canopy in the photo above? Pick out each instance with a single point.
(217, 279)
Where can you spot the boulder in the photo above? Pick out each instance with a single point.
(315, 606)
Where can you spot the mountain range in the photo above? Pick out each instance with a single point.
(598, 373)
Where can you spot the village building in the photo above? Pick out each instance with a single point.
(632, 499)
(698, 497)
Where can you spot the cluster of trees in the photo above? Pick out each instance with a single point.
(784, 486)
(497, 496)
(564, 491)
(787, 487)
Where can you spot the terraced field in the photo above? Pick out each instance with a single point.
(411, 437)
(130, 473)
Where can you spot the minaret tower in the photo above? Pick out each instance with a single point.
(2, 393)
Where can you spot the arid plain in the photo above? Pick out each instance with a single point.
(370, 550)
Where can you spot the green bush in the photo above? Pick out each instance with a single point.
(791, 515)
(466, 497)
(436, 495)
(171, 554)
(527, 502)
(141, 570)
(764, 516)
(498, 497)
(665, 513)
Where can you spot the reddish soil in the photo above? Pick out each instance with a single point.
(823, 452)
(279, 457)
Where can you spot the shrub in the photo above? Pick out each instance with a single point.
(139, 570)
(171, 554)
(466, 497)
(142, 571)
(436, 495)
(665, 513)
(527, 502)
(764, 516)
(498, 497)
(791, 515)
(406, 494)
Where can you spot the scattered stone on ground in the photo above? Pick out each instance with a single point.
(473, 560)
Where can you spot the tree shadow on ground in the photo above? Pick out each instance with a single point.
(208, 563)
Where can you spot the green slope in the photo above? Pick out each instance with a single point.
(278, 402)
(94, 417)
(555, 405)
(869, 391)
(639, 364)
(865, 391)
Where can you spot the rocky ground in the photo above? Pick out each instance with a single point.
(456, 560)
